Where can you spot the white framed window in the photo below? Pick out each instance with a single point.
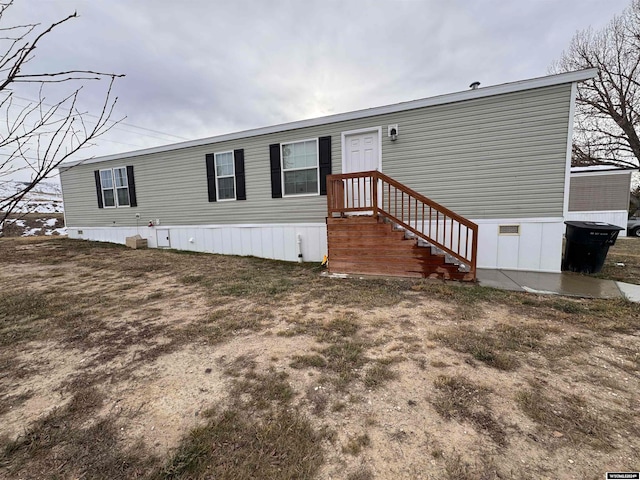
(115, 187)
(225, 176)
(300, 172)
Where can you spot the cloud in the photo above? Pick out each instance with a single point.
(200, 68)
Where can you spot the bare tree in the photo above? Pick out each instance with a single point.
(634, 202)
(41, 135)
(607, 107)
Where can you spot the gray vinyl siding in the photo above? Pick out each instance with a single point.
(494, 157)
(500, 157)
(596, 193)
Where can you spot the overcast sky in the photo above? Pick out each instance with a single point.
(197, 68)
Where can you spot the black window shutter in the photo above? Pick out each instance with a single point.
(276, 177)
(324, 162)
(211, 177)
(96, 173)
(133, 200)
(238, 160)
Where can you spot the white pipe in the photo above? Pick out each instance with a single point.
(299, 243)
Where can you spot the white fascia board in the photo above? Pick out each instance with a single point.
(595, 173)
(598, 212)
(471, 94)
(597, 168)
(511, 221)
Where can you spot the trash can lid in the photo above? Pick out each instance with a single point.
(593, 225)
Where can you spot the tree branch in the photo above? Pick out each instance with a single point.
(40, 137)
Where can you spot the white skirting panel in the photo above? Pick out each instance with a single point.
(538, 246)
(614, 217)
(278, 242)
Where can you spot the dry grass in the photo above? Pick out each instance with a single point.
(457, 468)
(600, 315)
(361, 473)
(318, 398)
(493, 346)
(355, 444)
(567, 414)
(462, 400)
(626, 251)
(379, 373)
(300, 361)
(281, 444)
(345, 360)
(338, 329)
(276, 441)
(307, 361)
(345, 355)
(261, 391)
(224, 323)
(63, 444)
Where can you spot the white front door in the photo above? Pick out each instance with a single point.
(361, 153)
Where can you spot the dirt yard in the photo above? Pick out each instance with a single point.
(118, 363)
(623, 261)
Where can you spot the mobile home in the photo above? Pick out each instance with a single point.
(488, 168)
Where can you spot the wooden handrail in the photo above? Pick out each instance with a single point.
(377, 188)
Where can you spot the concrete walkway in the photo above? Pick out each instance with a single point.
(569, 284)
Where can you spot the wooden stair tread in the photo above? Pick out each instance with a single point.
(365, 245)
(390, 256)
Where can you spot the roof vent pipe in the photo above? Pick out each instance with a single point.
(474, 85)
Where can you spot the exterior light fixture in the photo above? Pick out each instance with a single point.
(393, 132)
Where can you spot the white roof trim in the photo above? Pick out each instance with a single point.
(595, 168)
(369, 112)
(592, 173)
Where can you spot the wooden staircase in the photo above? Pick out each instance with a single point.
(368, 245)
(378, 226)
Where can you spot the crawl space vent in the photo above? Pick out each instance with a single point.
(509, 229)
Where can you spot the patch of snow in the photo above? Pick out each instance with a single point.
(46, 197)
(56, 231)
(50, 222)
(18, 222)
(31, 232)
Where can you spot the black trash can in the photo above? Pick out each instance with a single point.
(587, 244)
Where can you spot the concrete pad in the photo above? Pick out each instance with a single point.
(496, 279)
(565, 284)
(630, 291)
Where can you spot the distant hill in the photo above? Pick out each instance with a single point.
(46, 197)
